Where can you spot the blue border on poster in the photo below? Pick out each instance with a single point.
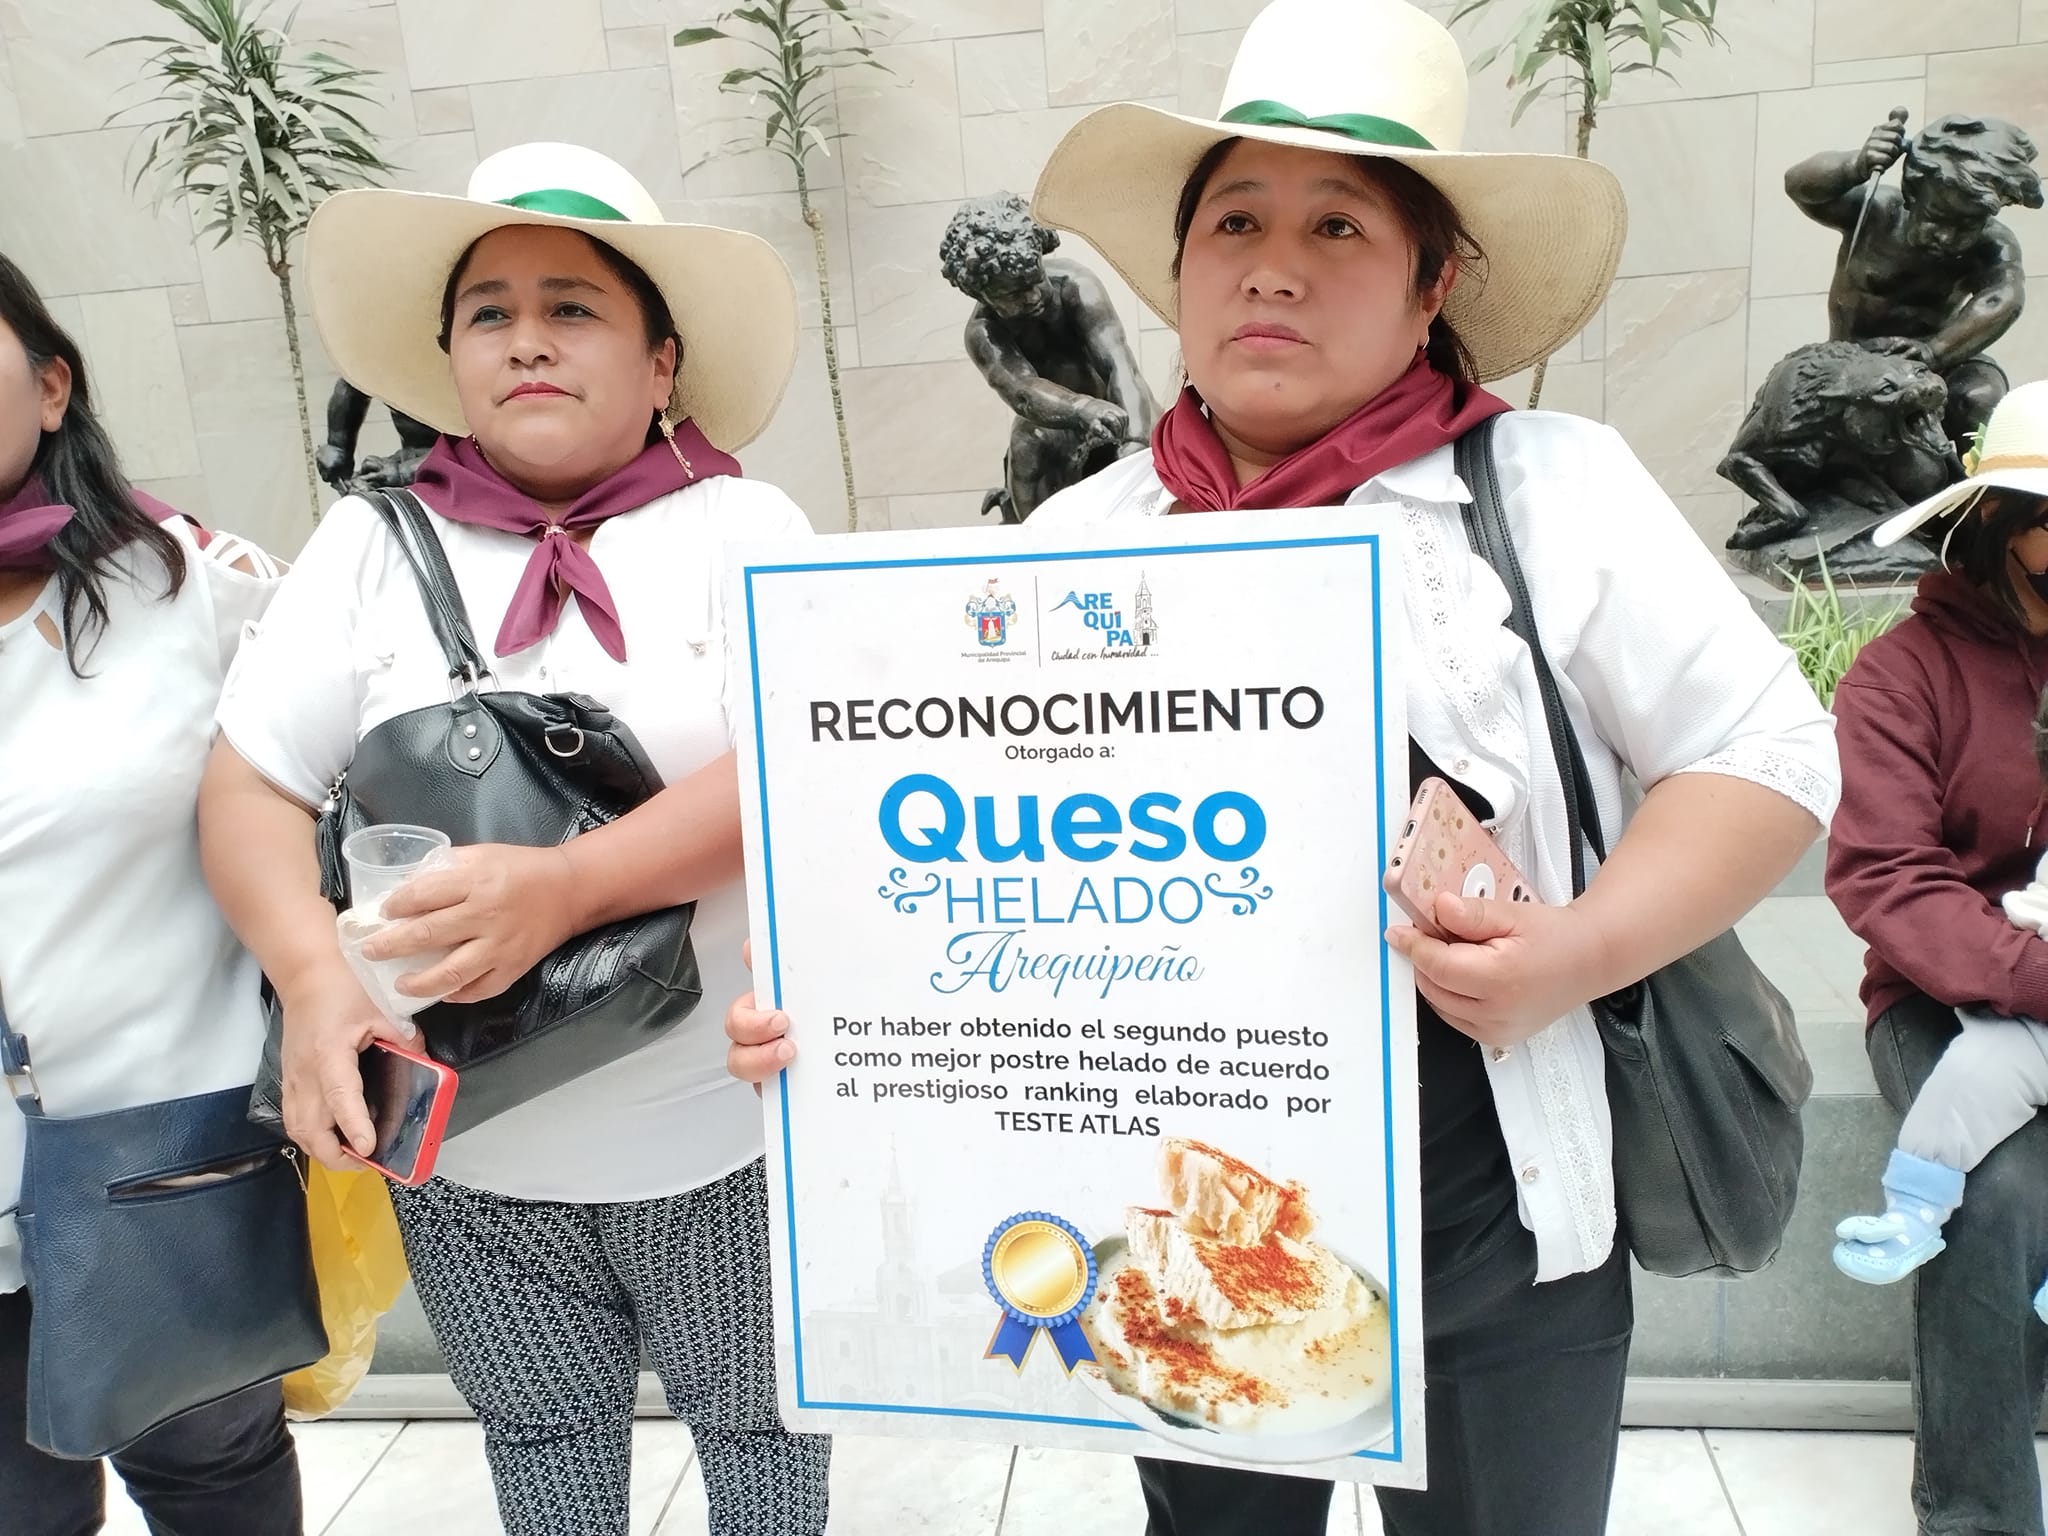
(1243, 546)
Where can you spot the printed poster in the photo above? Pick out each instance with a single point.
(1064, 854)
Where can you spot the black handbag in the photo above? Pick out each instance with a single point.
(1705, 1073)
(498, 766)
(167, 1261)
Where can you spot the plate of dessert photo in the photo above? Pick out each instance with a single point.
(1219, 1323)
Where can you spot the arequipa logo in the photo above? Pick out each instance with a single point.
(1096, 624)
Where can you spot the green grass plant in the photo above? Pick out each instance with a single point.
(1825, 633)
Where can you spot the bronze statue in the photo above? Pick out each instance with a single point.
(1932, 273)
(1047, 338)
(1840, 437)
(347, 408)
(1927, 279)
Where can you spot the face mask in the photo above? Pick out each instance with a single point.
(2039, 584)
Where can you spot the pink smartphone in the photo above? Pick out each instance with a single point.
(409, 1095)
(1444, 848)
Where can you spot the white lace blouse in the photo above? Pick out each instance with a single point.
(1664, 669)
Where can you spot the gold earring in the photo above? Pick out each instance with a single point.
(668, 431)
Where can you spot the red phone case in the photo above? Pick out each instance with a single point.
(437, 1118)
(1445, 848)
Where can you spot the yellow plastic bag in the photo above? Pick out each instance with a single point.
(361, 1270)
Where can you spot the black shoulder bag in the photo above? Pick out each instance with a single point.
(167, 1262)
(496, 766)
(1705, 1073)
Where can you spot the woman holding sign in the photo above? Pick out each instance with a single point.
(1342, 280)
(587, 363)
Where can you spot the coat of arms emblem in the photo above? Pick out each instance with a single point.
(990, 613)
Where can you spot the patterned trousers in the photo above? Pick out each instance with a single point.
(540, 1310)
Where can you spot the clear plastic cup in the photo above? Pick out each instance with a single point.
(382, 858)
(379, 978)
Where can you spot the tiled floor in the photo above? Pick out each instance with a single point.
(370, 1479)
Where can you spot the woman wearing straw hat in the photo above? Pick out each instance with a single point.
(1342, 277)
(1318, 246)
(590, 367)
(1944, 731)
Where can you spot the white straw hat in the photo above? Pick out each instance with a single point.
(378, 261)
(2013, 456)
(1358, 77)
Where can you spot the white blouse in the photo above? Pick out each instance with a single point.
(114, 962)
(347, 646)
(1664, 669)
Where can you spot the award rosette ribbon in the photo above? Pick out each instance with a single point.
(1041, 1272)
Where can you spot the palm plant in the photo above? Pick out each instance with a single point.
(1576, 48)
(257, 133)
(805, 45)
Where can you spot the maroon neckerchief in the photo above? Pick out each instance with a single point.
(1418, 413)
(459, 483)
(29, 520)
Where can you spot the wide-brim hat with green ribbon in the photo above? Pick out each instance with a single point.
(378, 262)
(1375, 78)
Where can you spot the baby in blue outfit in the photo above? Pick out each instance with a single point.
(1991, 1081)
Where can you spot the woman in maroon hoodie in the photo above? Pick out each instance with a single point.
(1942, 815)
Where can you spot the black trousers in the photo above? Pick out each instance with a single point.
(1980, 1355)
(1523, 1413)
(228, 1469)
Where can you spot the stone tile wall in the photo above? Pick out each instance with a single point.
(1720, 277)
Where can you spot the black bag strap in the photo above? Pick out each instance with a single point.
(414, 531)
(1486, 525)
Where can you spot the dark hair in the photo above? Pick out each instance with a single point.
(990, 238)
(79, 468)
(1979, 547)
(1989, 161)
(655, 316)
(1428, 218)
